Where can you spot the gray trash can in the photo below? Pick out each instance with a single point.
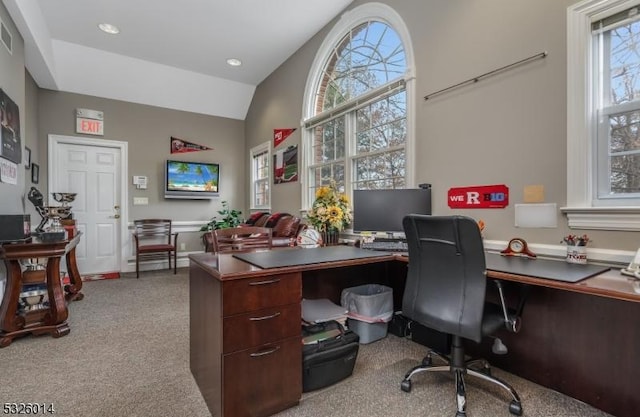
(370, 309)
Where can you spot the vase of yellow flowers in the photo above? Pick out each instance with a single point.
(330, 213)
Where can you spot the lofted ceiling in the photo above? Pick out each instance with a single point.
(168, 53)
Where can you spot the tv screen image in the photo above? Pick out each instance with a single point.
(192, 180)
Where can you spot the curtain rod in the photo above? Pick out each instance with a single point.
(488, 74)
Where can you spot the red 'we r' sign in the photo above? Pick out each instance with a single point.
(479, 196)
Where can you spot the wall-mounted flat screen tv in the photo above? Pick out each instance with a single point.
(192, 180)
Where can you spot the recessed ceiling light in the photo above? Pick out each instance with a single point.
(110, 29)
(234, 62)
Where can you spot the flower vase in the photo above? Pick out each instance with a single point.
(576, 254)
(330, 237)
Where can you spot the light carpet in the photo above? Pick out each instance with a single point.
(128, 355)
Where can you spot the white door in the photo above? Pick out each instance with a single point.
(92, 169)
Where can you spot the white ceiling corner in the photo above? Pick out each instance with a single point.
(169, 54)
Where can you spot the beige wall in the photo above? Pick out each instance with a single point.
(148, 130)
(509, 129)
(12, 81)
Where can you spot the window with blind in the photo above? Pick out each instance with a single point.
(603, 115)
(260, 192)
(356, 127)
(617, 87)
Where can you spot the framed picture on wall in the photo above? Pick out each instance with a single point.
(35, 173)
(27, 158)
(11, 147)
(285, 165)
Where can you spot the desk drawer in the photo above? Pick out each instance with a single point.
(260, 327)
(244, 295)
(259, 382)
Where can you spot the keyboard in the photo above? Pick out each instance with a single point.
(386, 245)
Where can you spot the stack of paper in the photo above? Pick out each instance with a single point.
(321, 310)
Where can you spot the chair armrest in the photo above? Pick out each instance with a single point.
(512, 319)
(175, 239)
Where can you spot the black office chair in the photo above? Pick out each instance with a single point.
(445, 291)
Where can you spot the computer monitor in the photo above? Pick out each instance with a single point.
(383, 210)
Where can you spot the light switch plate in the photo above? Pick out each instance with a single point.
(140, 201)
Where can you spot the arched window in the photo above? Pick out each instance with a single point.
(356, 120)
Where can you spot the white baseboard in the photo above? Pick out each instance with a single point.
(182, 226)
(156, 265)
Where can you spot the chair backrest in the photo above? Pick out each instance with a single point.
(239, 239)
(156, 229)
(446, 279)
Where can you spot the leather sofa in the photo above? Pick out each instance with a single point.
(285, 228)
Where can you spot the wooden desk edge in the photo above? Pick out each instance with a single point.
(236, 269)
(588, 286)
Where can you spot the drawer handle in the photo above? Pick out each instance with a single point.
(266, 352)
(272, 316)
(271, 281)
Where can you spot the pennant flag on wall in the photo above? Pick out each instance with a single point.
(182, 146)
(279, 135)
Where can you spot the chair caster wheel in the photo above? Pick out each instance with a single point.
(426, 361)
(515, 408)
(405, 385)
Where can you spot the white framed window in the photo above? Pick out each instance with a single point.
(260, 176)
(358, 115)
(603, 115)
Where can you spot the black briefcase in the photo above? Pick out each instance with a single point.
(326, 361)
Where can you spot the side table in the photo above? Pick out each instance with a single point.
(52, 320)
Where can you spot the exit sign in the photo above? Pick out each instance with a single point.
(89, 122)
(89, 126)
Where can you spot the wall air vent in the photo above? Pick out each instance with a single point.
(6, 38)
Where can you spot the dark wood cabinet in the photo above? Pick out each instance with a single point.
(565, 323)
(245, 344)
(261, 381)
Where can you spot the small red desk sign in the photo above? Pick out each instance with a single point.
(479, 196)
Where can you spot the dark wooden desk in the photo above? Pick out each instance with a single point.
(579, 339)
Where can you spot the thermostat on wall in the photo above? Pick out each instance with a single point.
(140, 181)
